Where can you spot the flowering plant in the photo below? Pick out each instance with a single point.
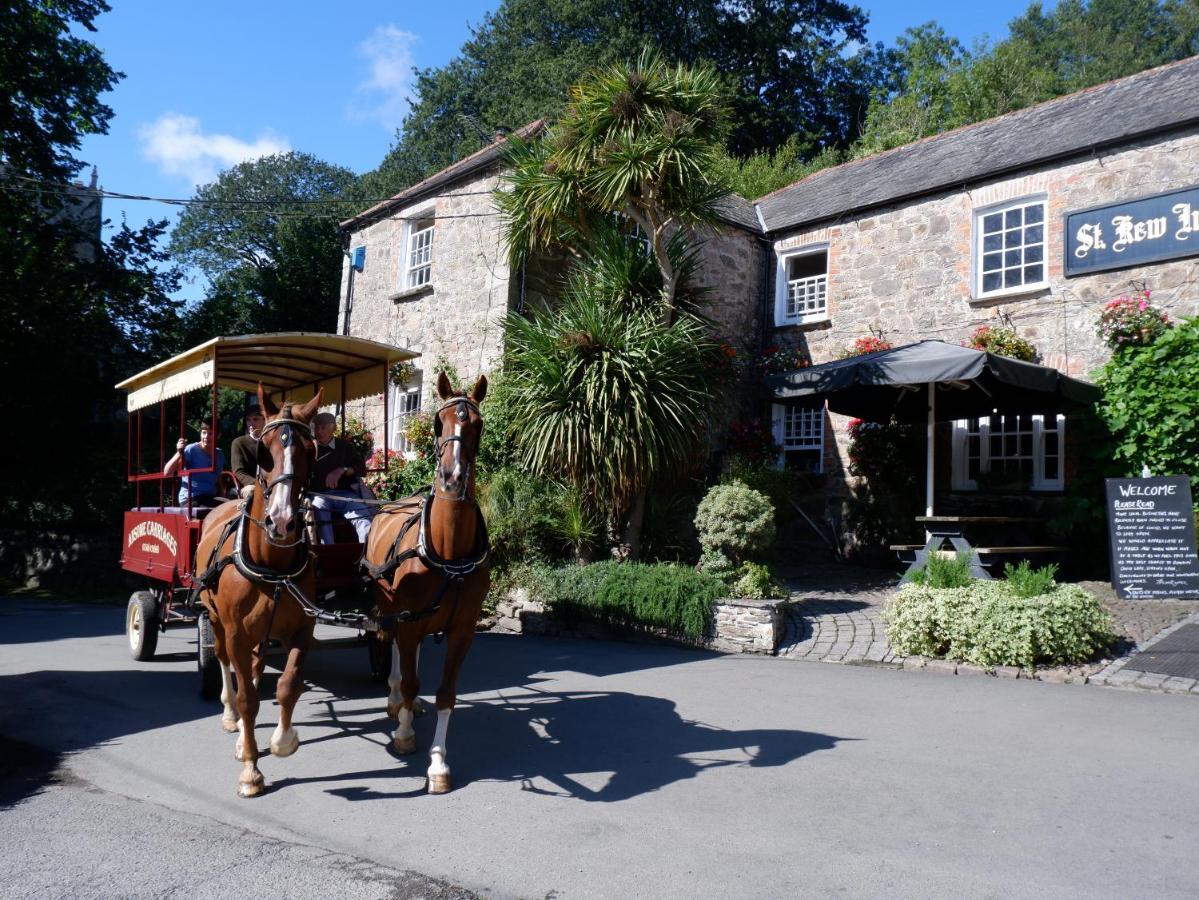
(400, 476)
(418, 432)
(358, 437)
(402, 374)
(776, 359)
(1131, 321)
(752, 442)
(864, 345)
(724, 361)
(1001, 341)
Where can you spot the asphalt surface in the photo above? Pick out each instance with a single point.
(587, 769)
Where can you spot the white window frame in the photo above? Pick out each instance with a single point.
(980, 253)
(417, 261)
(961, 480)
(809, 436)
(818, 284)
(403, 403)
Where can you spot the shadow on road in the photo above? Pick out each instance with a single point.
(26, 621)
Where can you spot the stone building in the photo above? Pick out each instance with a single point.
(929, 240)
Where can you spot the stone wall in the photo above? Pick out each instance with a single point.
(457, 316)
(738, 626)
(905, 271)
(33, 559)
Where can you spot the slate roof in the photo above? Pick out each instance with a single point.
(468, 165)
(1114, 113)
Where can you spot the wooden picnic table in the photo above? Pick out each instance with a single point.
(952, 529)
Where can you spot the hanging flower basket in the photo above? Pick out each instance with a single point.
(1131, 321)
(402, 374)
(1001, 341)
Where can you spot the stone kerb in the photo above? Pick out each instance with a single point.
(738, 626)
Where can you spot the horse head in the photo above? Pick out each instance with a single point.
(457, 428)
(287, 436)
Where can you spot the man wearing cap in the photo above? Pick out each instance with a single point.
(334, 477)
(246, 453)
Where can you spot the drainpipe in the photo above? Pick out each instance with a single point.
(349, 301)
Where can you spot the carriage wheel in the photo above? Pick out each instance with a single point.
(142, 623)
(380, 657)
(207, 663)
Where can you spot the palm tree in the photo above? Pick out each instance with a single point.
(640, 142)
(606, 396)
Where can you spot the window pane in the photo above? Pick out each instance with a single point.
(1034, 234)
(992, 282)
(1034, 253)
(992, 261)
(1012, 278)
(1011, 258)
(1050, 443)
(993, 241)
(1012, 219)
(1033, 214)
(1050, 468)
(972, 468)
(1013, 238)
(1033, 274)
(993, 222)
(1026, 445)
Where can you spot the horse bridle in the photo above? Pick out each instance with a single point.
(462, 405)
(286, 436)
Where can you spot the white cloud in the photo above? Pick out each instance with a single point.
(177, 145)
(383, 95)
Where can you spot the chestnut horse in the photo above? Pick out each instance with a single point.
(430, 571)
(258, 582)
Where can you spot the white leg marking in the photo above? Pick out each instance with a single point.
(394, 697)
(284, 741)
(418, 708)
(239, 748)
(404, 737)
(437, 764)
(228, 717)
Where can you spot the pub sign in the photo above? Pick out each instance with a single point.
(1119, 235)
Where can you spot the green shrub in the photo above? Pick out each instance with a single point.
(658, 595)
(942, 572)
(986, 624)
(524, 517)
(719, 566)
(1025, 581)
(735, 520)
(756, 582)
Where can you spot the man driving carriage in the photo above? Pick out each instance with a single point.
(200, 486)
(246, 451)
(335, 480)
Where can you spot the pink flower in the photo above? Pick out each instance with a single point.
(1141, 306)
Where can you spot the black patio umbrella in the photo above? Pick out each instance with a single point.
(933, 381)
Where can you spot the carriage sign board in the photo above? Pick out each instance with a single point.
(1152, 229)
(1151, 525)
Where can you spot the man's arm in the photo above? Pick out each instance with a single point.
(175, 461)
(245, 462)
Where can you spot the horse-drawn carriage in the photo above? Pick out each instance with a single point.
(248, 572)
(161, 535)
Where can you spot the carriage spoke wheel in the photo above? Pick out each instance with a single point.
(142, 623)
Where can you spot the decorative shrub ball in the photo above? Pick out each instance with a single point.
(735, 520)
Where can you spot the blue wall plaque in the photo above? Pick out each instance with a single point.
(1120, 235)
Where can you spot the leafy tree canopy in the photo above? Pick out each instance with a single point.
(1078, 44)
(784, 64)
(265, 234)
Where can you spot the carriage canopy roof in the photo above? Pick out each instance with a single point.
(290, 365)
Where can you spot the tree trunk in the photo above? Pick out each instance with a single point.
(630, 543)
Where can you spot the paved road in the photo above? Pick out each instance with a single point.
(586, 769)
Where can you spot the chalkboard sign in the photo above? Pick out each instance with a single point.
(1151, 525)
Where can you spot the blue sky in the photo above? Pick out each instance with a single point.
(211, 84)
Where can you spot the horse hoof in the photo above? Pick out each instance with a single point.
(252, 788)
(393, 710)
(439, 784)
(404, 745)
(229, 725)
(288, 743)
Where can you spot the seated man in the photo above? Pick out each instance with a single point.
(201, 487)
(247, 453)
(335, 475)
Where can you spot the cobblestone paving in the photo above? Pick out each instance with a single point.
(834, 616)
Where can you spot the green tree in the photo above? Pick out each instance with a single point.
(786, 67)
(79, 314)
(638, 142)
(265, 234)
(762, 173)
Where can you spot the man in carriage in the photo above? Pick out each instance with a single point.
(201, 487)
(335, 477)
(246, 452)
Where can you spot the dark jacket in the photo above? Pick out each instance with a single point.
(247, 457)
(341, 455)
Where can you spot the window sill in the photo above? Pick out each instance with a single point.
(414, 293)
(808, 324)
(1023, 293)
